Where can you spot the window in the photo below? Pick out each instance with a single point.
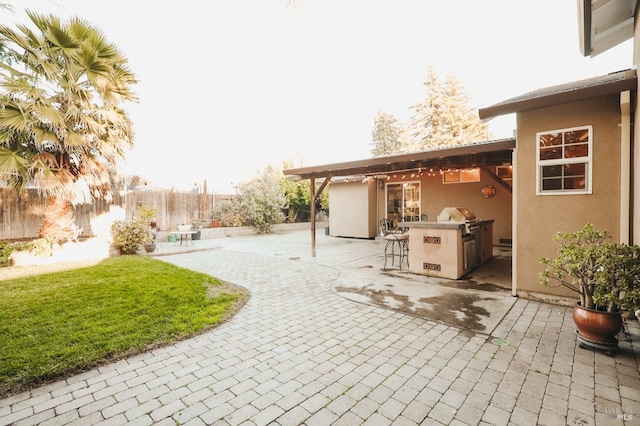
(504, 172)
(461, 176)
(403, 200)
(564, 161)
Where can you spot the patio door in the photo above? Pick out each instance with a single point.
(403, 201)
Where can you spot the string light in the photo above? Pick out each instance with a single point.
(412, 173)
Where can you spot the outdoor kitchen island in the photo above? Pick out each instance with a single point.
(451, 247)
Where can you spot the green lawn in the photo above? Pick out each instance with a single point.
(56, 324)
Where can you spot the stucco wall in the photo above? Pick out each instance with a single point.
(352, 209)
(540, 217)
(435, 196)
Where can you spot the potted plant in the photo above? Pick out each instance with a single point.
(196, 227)
(150, 246)
(147, 214)
(606, 277)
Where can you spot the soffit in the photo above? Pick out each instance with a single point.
(604, 24)
(490, 153)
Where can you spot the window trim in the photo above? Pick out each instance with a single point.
(587, 160)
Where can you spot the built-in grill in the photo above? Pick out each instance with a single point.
(471, 247)
(452, 245)
(460, 215)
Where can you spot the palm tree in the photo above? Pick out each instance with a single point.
(61, 127)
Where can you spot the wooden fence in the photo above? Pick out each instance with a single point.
(21, 215)
(173, 208)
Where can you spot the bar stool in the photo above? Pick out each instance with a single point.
(396, 244)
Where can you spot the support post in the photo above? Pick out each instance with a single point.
(314, 198)
(313, 217)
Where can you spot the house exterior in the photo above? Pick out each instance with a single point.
(575, 160)
(572, 165)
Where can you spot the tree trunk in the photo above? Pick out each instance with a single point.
(59, 223)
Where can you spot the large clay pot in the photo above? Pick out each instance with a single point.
(597, 328)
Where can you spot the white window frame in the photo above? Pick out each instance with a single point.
(587, 160)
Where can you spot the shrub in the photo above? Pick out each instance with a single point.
(129, 235)
(43, 247)
(262, 200)
(7, 247)
(230, 213)
(604, 274)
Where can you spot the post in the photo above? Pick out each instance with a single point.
(314, 198)
(313, 217)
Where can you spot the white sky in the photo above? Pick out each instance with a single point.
(228, 87)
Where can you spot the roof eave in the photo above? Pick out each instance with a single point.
(584, 26)
(628, 82)
(603, 24)
(400, 162)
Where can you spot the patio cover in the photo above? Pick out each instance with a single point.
(482, 155)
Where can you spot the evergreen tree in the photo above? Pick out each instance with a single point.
(385, 135)
(443, 119)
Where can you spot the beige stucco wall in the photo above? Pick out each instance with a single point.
(539, 218)
(352, 211)
(435, 196)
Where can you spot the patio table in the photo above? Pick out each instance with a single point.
(184, 236)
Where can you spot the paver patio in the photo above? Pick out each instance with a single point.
(300, 353)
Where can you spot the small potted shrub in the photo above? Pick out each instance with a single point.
(606, 277)
(148, 215)
(196, 227)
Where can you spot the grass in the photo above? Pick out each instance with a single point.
(57, 324)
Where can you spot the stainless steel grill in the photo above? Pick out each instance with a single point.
(471, 247)
(459, 215)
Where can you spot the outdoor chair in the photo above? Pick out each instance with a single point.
(396, 243)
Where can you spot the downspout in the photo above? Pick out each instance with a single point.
(625, 167)
(514, 221)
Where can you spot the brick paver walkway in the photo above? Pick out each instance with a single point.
(300, 354)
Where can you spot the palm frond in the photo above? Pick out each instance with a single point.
(60, 104)
(11, 163)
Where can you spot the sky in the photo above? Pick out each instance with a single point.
(229, 87)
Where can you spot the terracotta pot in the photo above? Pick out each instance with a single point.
(150, 248)
(597, 326)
